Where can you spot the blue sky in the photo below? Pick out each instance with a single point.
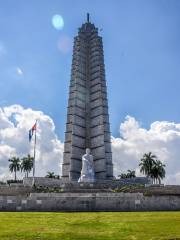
(141, 48)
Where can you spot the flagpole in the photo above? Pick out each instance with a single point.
(34, 158)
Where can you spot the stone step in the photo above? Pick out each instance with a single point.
(86, 190)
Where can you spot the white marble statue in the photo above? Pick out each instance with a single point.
(87, 171)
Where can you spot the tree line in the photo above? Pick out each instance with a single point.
(149, 165)
(24, 164)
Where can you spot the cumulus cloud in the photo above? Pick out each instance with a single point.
(15, 122)
(162, 138)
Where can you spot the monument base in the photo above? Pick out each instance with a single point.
(56, 195)
(83, 202)
(74, 186)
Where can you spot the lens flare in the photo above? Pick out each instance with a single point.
(58, 22)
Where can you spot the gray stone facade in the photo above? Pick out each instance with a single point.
(87, 115)
(89, 202)
(56, 195)
(71, 186)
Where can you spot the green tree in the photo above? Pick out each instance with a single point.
(146, 164)
(14, 165)
(50, 175)
(152, 168)
(158, 171)
(122, 175)
(129, 174)
(27, 164)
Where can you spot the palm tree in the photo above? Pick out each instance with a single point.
(131, 174)
(122, 175)
(152, 167)
(50, 175)
(146, 164)
(27, 164)
(14, 165)
(158, 171)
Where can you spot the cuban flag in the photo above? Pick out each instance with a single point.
(31, 131)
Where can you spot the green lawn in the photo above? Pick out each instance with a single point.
(112, 225)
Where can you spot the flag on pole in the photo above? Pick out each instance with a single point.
(31, 131)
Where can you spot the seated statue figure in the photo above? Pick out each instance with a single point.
(87, 172)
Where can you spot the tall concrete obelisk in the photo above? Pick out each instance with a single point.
(87, 116)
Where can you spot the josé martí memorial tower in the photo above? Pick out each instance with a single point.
(87, 115)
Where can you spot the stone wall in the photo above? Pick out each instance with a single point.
(14, 190)
(89, 202)
(106, 184)
(42, 181)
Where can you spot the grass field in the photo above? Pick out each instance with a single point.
(117, 225)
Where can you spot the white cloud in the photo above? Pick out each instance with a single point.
(15, 122)
(162, 138)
